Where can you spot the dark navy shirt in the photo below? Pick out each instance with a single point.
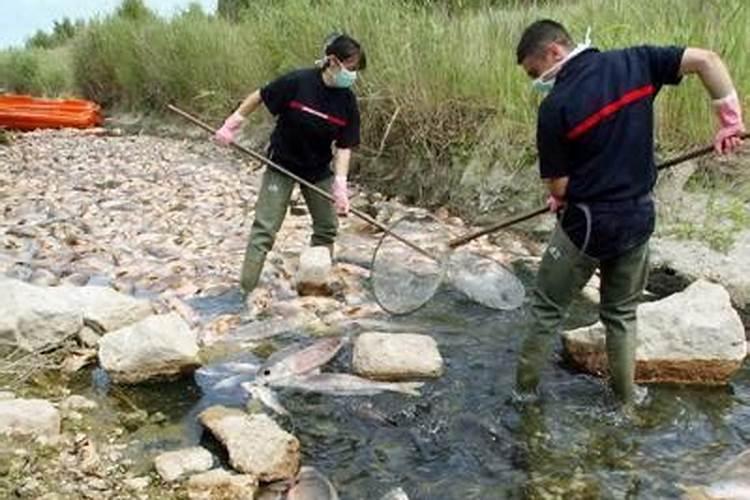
(596, 127)
(311, 117)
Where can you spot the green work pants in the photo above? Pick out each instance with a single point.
(270, 210)
(564, 271)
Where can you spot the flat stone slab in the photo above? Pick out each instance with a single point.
(396, 356)
(256, 444)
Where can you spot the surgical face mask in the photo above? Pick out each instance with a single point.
(546, 80)
(344, 78)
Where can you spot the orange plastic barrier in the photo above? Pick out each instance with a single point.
(23, 112)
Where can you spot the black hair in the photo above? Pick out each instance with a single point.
(538, 35)
(343, 47)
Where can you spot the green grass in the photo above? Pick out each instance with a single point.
(448, 117)
(37, 71)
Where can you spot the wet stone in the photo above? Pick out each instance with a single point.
(256, 444)
(396, 356)
(692, 337)
(174, 464)
(220, 483)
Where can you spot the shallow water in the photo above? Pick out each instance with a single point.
(464, 439)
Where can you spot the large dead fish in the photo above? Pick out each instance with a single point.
(311, 485)
(344, 384)
(294, 361)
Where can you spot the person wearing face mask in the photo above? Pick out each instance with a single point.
(315, 109)
(595, 139)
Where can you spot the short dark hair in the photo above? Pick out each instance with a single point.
(538, 35)
(343, 47)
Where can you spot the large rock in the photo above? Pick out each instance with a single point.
(693, 337)
(32, 317)
(104, 308)
(256, 444)
(29, 417)
(396, 356)
(693, 260)
(172, 465)
(156, 347)
(313, 272)
(220, 484)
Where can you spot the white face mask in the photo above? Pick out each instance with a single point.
(546, 80)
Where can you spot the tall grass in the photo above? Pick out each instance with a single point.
(37, 71)
(448, 117)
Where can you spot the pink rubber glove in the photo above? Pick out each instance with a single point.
(228, 131)
(555, 204)
(340, 195)
(731, 127)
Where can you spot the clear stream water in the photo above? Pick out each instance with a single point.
(463, 439)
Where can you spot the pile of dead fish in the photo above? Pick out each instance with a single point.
(295, 368)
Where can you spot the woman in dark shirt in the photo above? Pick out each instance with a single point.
(315, 109)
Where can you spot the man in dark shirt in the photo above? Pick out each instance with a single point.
(595, 144)
(315, 110)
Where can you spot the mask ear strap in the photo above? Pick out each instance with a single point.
(587, 39)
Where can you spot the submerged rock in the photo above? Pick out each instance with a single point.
(311, 485)
(693, 337)
(314, 270)
(731, 481)
(220, 484)
(156, 347)
(256, 444)
(29, 417)
(78, 403)
(174, 464)
(396, 356)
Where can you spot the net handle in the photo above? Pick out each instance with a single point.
(259, 157)
(462, 240)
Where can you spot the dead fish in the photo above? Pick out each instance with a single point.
(260, 330)
(265, 396)
(396, 494)
(344, 384)
(311, 485)
(225, 376)
(288, 363)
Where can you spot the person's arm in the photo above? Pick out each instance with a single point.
(558, 188)
(250, 104)
(341, 170)
(341, 162)
(232, 125)
(715, 77)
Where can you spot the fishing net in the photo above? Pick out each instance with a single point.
(404, 278)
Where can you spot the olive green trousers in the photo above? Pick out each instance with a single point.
(270, 210)
(563, 272)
